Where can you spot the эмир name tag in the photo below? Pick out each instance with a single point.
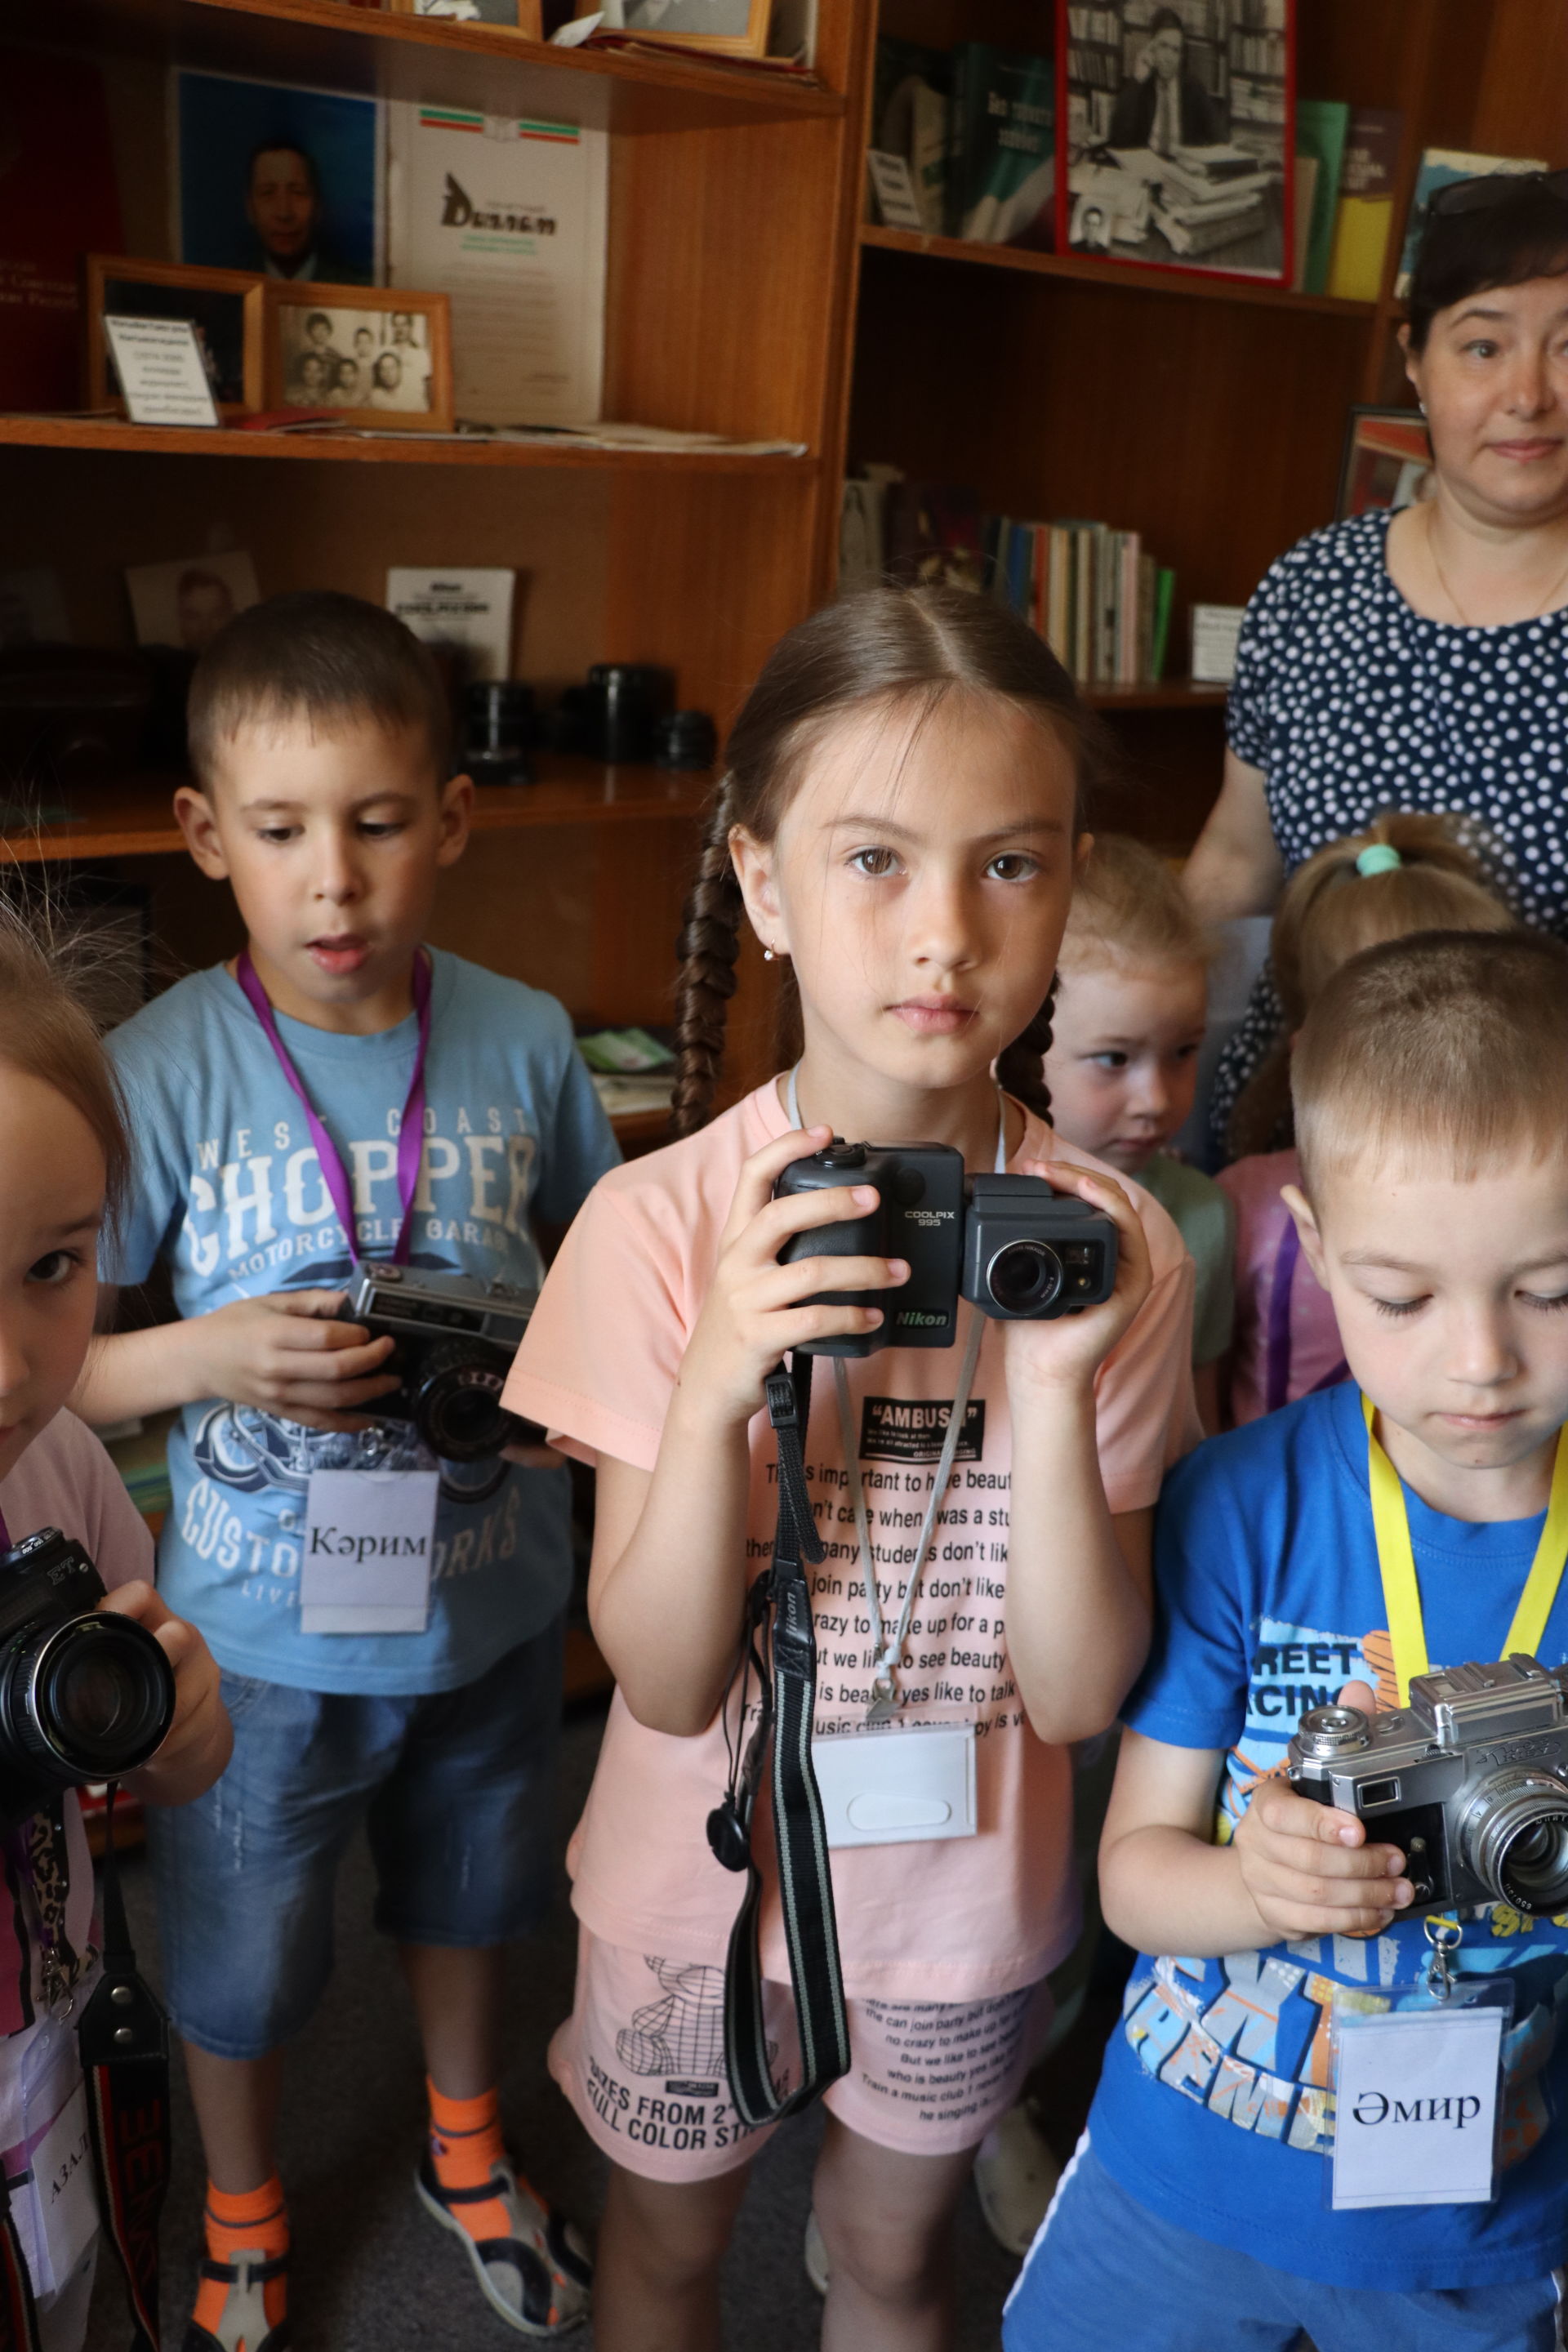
(369, 1539)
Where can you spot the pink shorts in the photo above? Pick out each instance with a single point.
(641, 2058)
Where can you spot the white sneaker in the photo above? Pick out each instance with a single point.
(1015, 2176)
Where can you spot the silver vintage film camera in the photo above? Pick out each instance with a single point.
(456, 1336)
(1469, 1782)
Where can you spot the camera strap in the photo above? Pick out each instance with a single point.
(410, 1128)
(123, 2040)
(1396, 1562)
(780, 1645)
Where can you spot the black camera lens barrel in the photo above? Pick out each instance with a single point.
(84, 1698)
(454, 1401)
(1024, 1276)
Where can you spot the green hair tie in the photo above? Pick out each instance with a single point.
(1379, 858)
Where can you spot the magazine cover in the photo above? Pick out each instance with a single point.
(1176, 134)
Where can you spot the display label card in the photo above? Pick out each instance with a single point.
(161, 373)
(1415, 2107)
(370, 1537)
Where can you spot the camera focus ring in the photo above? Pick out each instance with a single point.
(90, 1699)
(1514, 1837)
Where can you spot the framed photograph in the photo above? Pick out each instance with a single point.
(377, 356)
(1387, 461)
(732, 28)
(186, 603)
(1175, 134)
(282, 180)
(524, 17)
(224, 307)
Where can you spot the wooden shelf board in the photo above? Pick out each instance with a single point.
(134, 815)
(40, 432)
(1130, 276)
(1172, 693)
(440, 62)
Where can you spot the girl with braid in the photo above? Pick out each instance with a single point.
(899, 826)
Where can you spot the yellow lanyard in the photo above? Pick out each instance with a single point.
(1402, 1594)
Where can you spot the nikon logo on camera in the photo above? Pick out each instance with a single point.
(919, 1317)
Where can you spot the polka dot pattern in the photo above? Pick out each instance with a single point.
(1352, 703)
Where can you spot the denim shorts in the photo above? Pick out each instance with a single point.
(456, 1792)
(1104, 2271)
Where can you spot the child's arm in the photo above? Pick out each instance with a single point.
(1294, 1868)
(199, 1741)
(667, 1590)
(283, 1353)
(1078, 1578)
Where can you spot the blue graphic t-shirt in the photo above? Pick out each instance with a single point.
(1214, 2108)
(229, 1190)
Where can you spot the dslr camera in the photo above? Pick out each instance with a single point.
(85, 1695)
(456, 1336)
(1469, 1782)
(1015, 1248)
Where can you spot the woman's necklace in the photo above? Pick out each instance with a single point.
(1442, 581)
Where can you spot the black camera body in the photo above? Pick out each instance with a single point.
(85, 1695)
(456, 1336)
(1011, 1245)
(1469, 1782)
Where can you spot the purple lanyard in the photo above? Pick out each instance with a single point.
(1277, 1386)
(411, 1132)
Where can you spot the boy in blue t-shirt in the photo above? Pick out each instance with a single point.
(1432, 1118)
(392, 1648)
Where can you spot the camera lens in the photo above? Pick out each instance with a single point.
(1515, 1838)
(456, 1404)
(1023, 1278)
(91, 1699)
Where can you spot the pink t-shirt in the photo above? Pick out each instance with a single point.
(1287, 1341)
(950, 1920)
(64, 1480)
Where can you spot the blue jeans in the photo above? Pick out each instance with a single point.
(1106, 2273)
(456, 1792)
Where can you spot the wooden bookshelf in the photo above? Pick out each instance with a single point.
(98, 435)
(1207, 412)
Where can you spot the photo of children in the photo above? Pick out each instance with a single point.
(355, 359)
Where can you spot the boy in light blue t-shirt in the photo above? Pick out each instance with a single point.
(1432, 1122)
(318, 736)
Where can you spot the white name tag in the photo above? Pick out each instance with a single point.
(1415, 2107)
(897, 1788)
(369, 1539)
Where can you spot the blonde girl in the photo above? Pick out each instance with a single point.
(898, 825)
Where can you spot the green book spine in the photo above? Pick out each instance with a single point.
(1321, 124)
(1164, 597)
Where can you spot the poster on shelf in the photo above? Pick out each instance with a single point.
(507, 217)
(284, 181)
(467, 610)
(1176, 134)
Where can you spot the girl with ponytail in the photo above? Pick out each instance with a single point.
(899, 826)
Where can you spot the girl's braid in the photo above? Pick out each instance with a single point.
(708, 944)
(1020, 1066)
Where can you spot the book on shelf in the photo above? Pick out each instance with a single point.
(911, 88)
(1440, 167)
(1095, 595)
(1001, 161)
(1322, 127)
(1364, 219)
(1306, 190)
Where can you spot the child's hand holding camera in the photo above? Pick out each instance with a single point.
(1308, 1870)
(286, 1353)
(1067, 1353)
(197, 1745)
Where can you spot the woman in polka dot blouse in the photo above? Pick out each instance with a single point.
(1419, 660)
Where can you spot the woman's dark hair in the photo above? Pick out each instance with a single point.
(908, 647)
(1524, 235)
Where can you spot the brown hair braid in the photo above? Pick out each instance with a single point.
(883, 646)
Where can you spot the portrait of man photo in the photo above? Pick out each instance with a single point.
(282, 180)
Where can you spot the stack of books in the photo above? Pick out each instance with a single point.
(1204, 197)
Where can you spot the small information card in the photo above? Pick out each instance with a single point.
(161, 373)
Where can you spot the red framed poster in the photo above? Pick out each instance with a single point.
(1175, 134)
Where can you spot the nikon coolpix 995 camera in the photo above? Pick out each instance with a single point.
(1018, 1250)
(85, 1695)
(1469, 1782)
(455, 1338)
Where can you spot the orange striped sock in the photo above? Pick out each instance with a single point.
(465, 2143)
(254, 2222)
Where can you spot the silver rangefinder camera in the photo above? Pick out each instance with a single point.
(1469, 1782)
(456, 1336)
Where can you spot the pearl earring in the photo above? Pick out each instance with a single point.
(767, 955)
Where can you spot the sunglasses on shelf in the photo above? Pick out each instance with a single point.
(1480, 196)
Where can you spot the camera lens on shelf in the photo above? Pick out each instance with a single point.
(625, 699)
(685, 738)
(500, 727)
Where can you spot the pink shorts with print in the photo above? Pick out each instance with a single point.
(641, 2058)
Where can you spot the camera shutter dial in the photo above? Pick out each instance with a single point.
(1330, 1731)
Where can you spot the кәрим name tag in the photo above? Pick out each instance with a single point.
(369, 1539)
(1415, 2106)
